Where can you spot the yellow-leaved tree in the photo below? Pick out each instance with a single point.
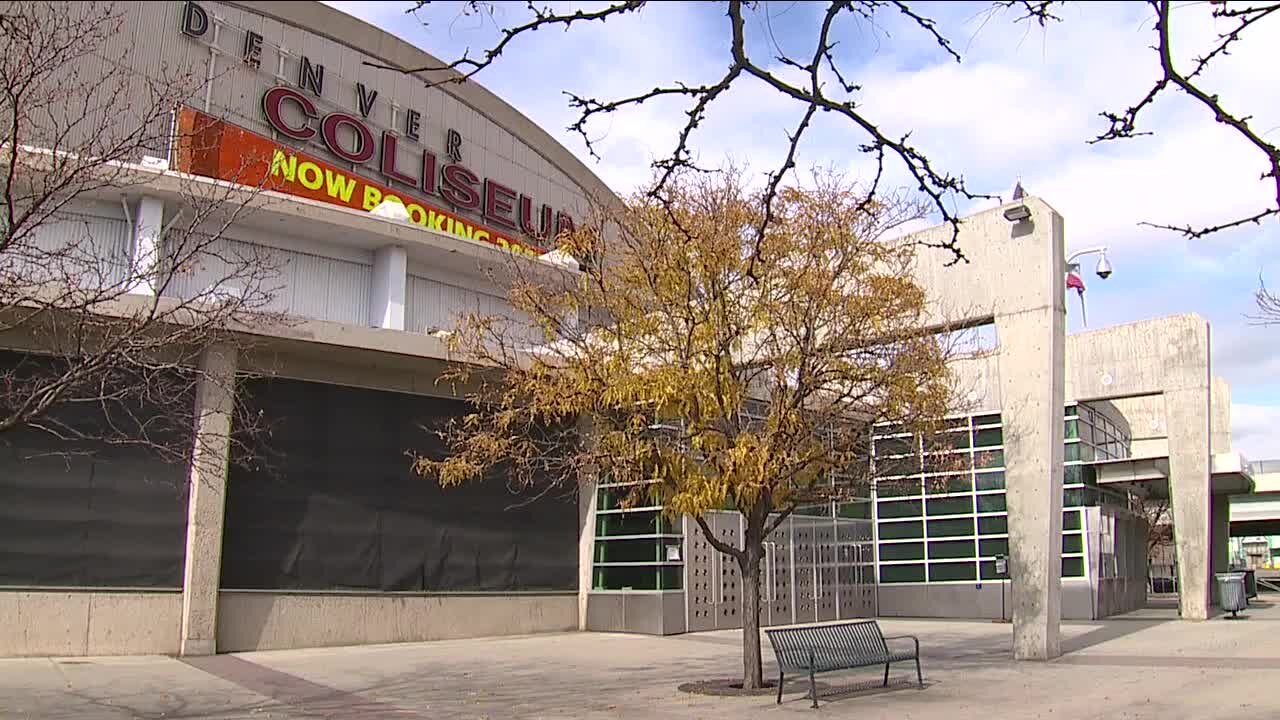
(719, 350)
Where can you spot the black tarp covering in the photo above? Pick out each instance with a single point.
(86, 513)
(331, 503)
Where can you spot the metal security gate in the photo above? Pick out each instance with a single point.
(814, 569)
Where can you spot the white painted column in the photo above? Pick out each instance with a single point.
(1187, 403)
(387, 293)
(588, 497)
(215, 397)
(148, 222)
(1033, 393)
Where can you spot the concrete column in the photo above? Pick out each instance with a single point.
(148, 223)
(1032, 347)
(1185, 355)
(387, 293)
(215, 396)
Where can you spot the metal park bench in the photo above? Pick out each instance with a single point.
(841, 646)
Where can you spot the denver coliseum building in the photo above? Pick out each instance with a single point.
(342, 545)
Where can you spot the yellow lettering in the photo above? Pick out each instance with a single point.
(502, 243)
(315, 181)
(339, 185)
(435, 220)
(285, 165)
(481, 235)
(462, 229)
(417, 213)
(372, 196)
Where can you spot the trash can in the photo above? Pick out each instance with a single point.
(1231, 592)
(1250, 585)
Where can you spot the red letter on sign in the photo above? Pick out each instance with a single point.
(459, 187)
(564, 224)
(389, 149)
(364, 138)
(271, 101)
(526, 219)
(498, 207)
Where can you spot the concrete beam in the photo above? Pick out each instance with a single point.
(215, 398)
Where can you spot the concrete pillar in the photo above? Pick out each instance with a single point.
(148, 224)
(1032, 390)
(215, 396)
(1185, 355)
(387, 292)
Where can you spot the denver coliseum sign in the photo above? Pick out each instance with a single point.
(217, 148)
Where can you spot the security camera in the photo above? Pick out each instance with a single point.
(1104, 268)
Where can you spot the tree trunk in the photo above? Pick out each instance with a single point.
(750, 565)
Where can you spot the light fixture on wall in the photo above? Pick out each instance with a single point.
(1017, 213)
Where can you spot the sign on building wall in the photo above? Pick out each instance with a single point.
(367, 163)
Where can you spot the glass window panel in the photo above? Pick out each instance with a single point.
(1073, 497)
(990, 480)
(1071, 520)
(989, 570)
(648, 550)
(951, 549)
(956, 423)
(950, 506)
(909, 465)
(1071, 452)
(988, 459)
(902, 551)
(954, 526)
(901, 573)
(957, 440)
(857, 510)
(1072, 544)
(1070, 411)
(644, 577)
(987, 419)
(1072, 429)
(897, 487)
(1086, 453)
(1071, 474)
(952, 571)
(993, 546)
(1073, 567)
(642, 522)
(989, 437)
(672, 577)
(947, 462)
(901, 530)
(948, 484)
(896, 446)
(991, 503)
(900, 508)
(993, 525)
(1089, 475)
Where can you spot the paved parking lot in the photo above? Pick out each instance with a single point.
(1143, 665)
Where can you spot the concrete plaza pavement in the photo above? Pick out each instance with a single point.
(1142, 665)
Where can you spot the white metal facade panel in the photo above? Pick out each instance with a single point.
(434, 305)
(91, 245)
(300, 284)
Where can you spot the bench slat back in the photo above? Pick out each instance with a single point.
(860, 639)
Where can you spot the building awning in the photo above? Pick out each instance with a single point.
(1149, 476)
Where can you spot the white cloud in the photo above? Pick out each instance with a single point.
(1255, 431)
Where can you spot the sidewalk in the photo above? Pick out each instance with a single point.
(1143, 665)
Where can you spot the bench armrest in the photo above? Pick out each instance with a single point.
(912, 638)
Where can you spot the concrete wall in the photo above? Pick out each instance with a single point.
(89, 622)
(955, 600)
(252, 620)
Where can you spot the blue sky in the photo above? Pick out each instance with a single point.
(1021, 105)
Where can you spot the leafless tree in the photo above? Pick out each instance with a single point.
(826, 87)
(108, 331)
(1268, 304)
